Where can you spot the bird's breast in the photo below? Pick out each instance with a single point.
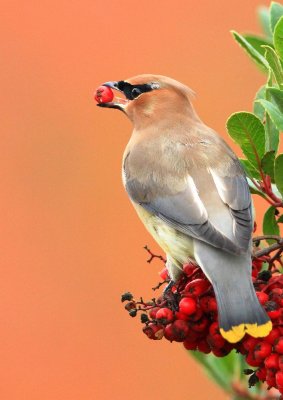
(173, 242)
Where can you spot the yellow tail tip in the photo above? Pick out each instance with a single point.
(236, 333)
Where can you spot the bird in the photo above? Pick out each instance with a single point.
(191, 193)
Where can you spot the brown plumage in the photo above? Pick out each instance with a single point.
(191, 193)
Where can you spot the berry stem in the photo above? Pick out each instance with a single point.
(152, 255)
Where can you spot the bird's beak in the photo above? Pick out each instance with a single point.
(118, 102)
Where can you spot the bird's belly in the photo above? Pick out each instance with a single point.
(174, 243)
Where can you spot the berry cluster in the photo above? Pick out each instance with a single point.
(187, 313)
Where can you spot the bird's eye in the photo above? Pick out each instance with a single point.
(136, 92)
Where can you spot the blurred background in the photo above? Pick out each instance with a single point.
(70, 242)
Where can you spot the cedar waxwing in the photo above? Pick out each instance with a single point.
(191, 193)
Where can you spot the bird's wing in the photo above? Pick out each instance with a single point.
(234, 191)
(183, 211)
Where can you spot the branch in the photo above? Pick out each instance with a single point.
(271, 248)
(264, 237)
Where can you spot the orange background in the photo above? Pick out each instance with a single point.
(70, 240)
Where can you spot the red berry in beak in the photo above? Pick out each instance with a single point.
(104, 94)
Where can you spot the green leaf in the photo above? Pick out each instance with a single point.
(248, 131)
(276, 96)
(276, 12)
(274, 113)
(274, 139)
(278, 173)
(252, 52)
(278, 38)
(257, 42)
(254, 189)
(267, 164)
(249, 169)
(258, 109)
(271, 132)
(264, 19)
(276, 191)
(274, 64)
(213, 373)
(280, 220)
(221, 370)
(270, 226)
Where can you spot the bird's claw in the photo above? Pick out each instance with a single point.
(170, 297)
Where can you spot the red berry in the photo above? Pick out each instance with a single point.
(270, 379)
(214, 329)
(273, 335)
(223, 351)
(208, 304)
(189, 268)
(250, 359)
(257, 264)
(262, 297)
(169, 332)
(154, 331)
(276, 292)
(176, 331)
(200, 325)
(279, 378)
(254, 272)
(164, 315)
(188, 306)
(192, 336)
(261, 374)
(104, 94)
(250, 342)
(196, 316)
(190, 345)
(278, 345)
(153, 311)
(197, 287)
(204, 347)
(281, 363)
(241, 349)
(274, 314)
(262, 350)
(272, 361)
(181, 330)
(180, 315)
(216, 341)
(164, 274)
(272, 309)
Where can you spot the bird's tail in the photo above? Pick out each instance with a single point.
(238, 307)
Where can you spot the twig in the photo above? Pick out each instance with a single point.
(269, 249)
(264, 237)
(152, 255)
(276, 256)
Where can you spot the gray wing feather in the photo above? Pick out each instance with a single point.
(185, 212)
(234, 191)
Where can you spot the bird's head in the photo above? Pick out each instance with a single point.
(149, 97)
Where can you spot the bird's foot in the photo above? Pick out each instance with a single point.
(171, 298)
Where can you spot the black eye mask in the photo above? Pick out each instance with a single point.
(133, 91)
